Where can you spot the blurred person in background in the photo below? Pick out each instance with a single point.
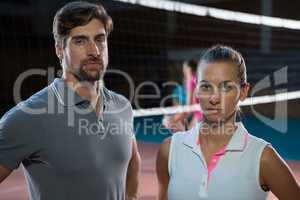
(190, 79)
(184, 95)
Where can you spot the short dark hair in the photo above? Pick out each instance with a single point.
(79, 13)
(221, 53)
(192, 63)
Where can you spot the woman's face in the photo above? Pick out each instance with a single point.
(220, 91)
(187, 71)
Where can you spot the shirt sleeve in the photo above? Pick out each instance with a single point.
(131, 121)
(16, 142)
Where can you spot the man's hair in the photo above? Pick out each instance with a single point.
(78, 13)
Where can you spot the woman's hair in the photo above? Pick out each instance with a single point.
(220, 53)
(78, 13)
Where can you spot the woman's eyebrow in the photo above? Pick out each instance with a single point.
(227, 81)
(204, 81)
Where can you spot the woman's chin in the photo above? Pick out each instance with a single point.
(214, 119)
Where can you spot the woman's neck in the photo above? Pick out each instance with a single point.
(219, 132)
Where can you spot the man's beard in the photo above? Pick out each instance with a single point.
(90, 75)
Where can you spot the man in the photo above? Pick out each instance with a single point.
(83, 146)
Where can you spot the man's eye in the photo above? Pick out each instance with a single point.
(79, 41)
(100, 40)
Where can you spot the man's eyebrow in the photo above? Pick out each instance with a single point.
(79, 37)
(100, 35)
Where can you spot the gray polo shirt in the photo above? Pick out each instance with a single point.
(66, 150)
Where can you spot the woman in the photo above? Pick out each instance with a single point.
(218, 158)
(190, 79)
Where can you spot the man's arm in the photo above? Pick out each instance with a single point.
(4, 172)
(133, 172)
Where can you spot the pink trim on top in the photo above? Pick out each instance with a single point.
(214, 161)
(217, 156)
(246, 139)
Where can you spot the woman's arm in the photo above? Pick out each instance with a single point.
(276, 175)
(4, 172)
(162, 171)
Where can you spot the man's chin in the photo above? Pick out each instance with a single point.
(91, 76)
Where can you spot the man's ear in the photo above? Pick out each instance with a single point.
(59, 50)
(244, 91)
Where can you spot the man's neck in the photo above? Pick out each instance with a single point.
(86, 90)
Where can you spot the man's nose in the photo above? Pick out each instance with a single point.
(93, 49)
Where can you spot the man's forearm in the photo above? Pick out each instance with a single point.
(132, 182)
(133, 173)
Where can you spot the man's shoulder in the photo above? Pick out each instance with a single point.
(115, 97)
(117, 104)
(35, 104)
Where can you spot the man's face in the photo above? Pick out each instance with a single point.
(85, 54)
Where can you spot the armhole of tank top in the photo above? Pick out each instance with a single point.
(266, 144)
(170, 155)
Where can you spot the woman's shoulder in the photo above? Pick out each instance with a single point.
(254, 140)
(176, 138)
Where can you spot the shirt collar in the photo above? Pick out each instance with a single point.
(192, 135)
(66, 96)
(238, 142)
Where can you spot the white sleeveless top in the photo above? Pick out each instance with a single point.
(235, 177)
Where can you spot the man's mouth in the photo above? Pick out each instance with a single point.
(92, 65)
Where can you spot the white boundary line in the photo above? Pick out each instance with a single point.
(223, 14)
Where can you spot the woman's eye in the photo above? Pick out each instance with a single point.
(226, 87)
(205, 87)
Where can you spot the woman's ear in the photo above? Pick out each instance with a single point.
(244, 91)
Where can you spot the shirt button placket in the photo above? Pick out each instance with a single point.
(203, 186)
